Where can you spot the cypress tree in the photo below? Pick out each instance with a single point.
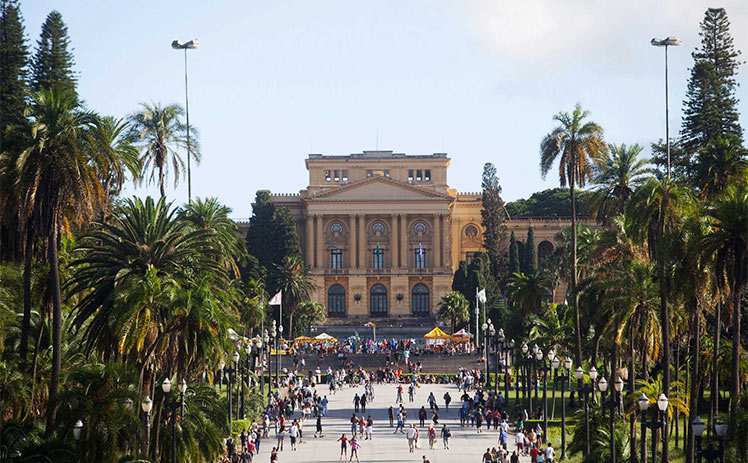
(513, 255)
(271, 235)
(531, 253)
(13, 72)
(493, 216)
(459, 282)
(53, 62)
(710, 109)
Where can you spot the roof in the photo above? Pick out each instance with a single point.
(378, 154)
(436, 333)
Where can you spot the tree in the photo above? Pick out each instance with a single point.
(13, 72)
(619, 174)
(454, 308)
(727, 244)
(271, 235)
(554, 202)
(309, 313)
(58, 183)
(292, 278)
(513, 255)
(710, 109)
(158, 132)
(53, 61)
(493, 216)
(721, 162)
(527, 292)
(577, 144)
(529, 256)
(459, 281)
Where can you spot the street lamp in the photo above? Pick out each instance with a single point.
(643, 406)
(229, 372)
(667, 42)
(710, 454)
(77, 429)
(657, 423)
(264, 364)
(484, 327)
(523, 365)
(508, 364)
(613, 403)
(174, 405)
(564, 377)
(584, 390)
(147, 406)
(177, 45)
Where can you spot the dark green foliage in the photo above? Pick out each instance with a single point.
(514, 266)
(554, 202)
(53, 62)
(529, 265)
(13, 72)
(493, 216)
(271, 235)
(710, 109)
(479, 277)
(459, 282)
(680, 160)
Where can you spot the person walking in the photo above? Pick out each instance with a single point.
(432, 436)
(514, 458)
(356, 402)
(487, 457)
(369, 426)
(354, 448)
(363, 403)
(399, 398)
(550, 454)
(281, 438)
(412, 436)
(391, 415)
(319, 427)
(343, 446)
(446, 434)
(422, 416)
(447, 400)
(293, 433)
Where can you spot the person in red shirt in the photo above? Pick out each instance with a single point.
(534, 454)
(343, 447)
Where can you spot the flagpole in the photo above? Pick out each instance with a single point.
(477, 321)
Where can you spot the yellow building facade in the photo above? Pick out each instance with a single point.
(383, 232)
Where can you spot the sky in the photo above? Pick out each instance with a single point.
(273, 81)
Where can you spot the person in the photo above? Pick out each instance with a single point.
(446, 434)
(369, 426)
(432, 436)
(426, 460)
(343, 446)
(412, 435)
(520, 436)
(274, 455)
(324, 402)
(514, 458)
(435, 417)
(479, 420)
(432, 401)
(411, 392)
(400, 423)
(503, 436)
(354, 448)
(534, 452)
(447, 400)
(281, 437)
(319, 427)
(422, 416)
(550, 454)
(361, 426)
(487, 457)
(354, 423)
(391, 415)
(356, 402)
(293, 432)
(363, 403)
(399, 398)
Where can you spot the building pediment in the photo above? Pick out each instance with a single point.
(379, 189)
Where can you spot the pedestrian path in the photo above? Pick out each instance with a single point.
(466, 445)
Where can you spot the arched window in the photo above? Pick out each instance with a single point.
(420, 300)
(420, 227)
(471, 231)
(378, 301)
(378, 227)
(545, 249)
(336, 228)
(336, 301)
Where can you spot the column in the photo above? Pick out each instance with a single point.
(437, 240)
(404, 262)
(447, 240)
(352, 241)
(361, 241)
(393, 242)
(309, 239)
(320, 258)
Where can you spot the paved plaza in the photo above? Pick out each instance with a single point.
(466, 445)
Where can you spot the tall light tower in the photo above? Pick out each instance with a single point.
(667, 42)
(177, 45)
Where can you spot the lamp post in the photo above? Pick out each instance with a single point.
(544, 367)
(585, 390)
(657, 423)
(245, 376)
(613, 404)
(500, 358)
(643, 406)
(174, 405)
(564, 377)
(177, 45)
(277, 350)
(229, 372)
(668, 42)
(484, 327)
(274, 332)
(710, 454)
(77, 429)
(147, 406)
(264, 365)
(527, 360)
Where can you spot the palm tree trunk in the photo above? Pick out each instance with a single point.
(28, 253)
(575, 299)
(54, 288)
(161, 182)
(665, 328)
(676, 414)
(735, 360)
(631, 387)
(714, 407)
(693, 401)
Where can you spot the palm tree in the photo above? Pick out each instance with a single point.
(455, 308)
(619, 173)
(577, 144)
(527, 293)
(292, 278)
(721, 162)
(58, 181)
(158, 133)
(727, 244)
(655, 209)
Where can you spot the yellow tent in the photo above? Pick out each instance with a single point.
(436, 333)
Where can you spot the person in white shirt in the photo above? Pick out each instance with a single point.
(293, 433)
(412, 436)
(550, 454)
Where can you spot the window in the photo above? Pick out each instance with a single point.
(469, 257)
(420, 259)
(471, 231)
(327, 176)
(345, 175)
(377, 258)
(420, 300)
(418, 175)
(377, 228)
(336, 301)
(427, 175)
(410, 175)
(336, 228)
(545, 249)
(336, 259)
(337, 177)
(378, 301)
(420, 227)
(369, 173)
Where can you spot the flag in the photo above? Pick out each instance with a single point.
(276, 300)
(481, 295)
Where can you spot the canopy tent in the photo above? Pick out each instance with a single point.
(436, 336)
(325, 337)
(303, 339)
(462, 336)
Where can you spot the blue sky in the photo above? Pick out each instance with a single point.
(275, 80)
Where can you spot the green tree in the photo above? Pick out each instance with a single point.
(454, 308)
(293, 279)
(578, 145)
(513, 255)
(527, 292)
(14, 61)
(459, 281)
(530, 256)
(53, 61)
(554, 202)
(271, 236)
(59, 184)
(721, 162)
(619, 174)
(309, 313)
(710, 109)
(493, 216)
(159, 133)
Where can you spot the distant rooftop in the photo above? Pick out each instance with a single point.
(378, 155)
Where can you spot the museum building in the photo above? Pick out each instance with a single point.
(383, 233)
